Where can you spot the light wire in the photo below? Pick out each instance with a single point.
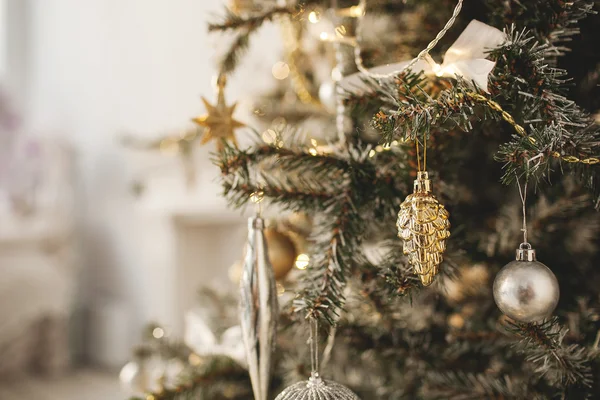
(422, 55)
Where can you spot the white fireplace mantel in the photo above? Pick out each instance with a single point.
(188, 238)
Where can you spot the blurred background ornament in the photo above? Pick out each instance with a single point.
(142, 374)
(471, 282)
(525, 289)
(258, 307)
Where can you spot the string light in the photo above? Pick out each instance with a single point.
(169, 146)
(280, 289)
(313, 150)
(269, 136)
(422, 55)
(352, 12)
(302, 261)
(280, 70)
(158, 333)
(257, 197)
(314, 17)
(194, 359)
(336, 74)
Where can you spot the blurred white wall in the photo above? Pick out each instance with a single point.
(97, 68)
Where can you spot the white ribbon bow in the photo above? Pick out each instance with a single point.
(465, 58)
(203, 341)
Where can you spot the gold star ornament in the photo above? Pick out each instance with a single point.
(219, 122)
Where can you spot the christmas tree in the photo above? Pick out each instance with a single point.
(418, 316)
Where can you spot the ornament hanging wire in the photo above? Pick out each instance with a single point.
(424, 153)
(523, 195)
(316, 388)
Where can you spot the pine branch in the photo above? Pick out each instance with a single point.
(323, 293)
(554, 21)
(233, 21)
(303, 185)
(231, 160)
(468, 386)
(238, 48)
(456, 107)
(290, 198)
(543, 346)
(532, 92)
(244, 27)
(217, 375)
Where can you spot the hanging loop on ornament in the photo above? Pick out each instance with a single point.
(525, 253)
(523, 195)
(525, 246)
(219, 82)
(258, 195)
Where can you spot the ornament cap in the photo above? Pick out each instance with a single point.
(256, 222)
(422, 183)
(525, 253)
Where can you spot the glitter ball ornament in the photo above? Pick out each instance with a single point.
(525, 289)
(317, 389)
(424, 226)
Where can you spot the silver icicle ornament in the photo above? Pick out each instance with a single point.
(258, 308)
(525, 289)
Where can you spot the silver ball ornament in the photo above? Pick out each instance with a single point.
(525, 289)
(317, 389)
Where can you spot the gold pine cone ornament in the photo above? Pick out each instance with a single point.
(424, 226)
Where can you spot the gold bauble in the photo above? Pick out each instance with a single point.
(424, 226)
(471, 281)
(300, 223)
(282, 252)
